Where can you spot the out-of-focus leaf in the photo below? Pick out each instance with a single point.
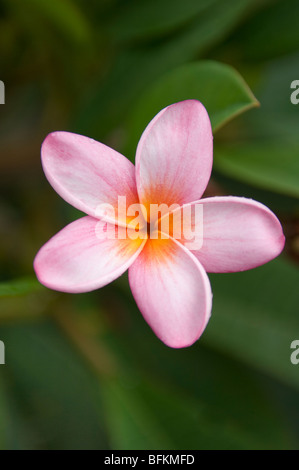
(193, 400)
(267, 165)
(24, 302)
(131, 424)
(279, 203)
(19, 287)
(57, 393)
(4, 421)
(255, 317)
(271, 32)
(137, 68)
(275, 86)
(265, 149)
(146, 18)
(62, 14)
(219, 87)
(278, 118)
(15, 431)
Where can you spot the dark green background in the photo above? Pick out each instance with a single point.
(85, 371)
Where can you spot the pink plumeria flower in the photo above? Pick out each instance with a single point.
(173, 166)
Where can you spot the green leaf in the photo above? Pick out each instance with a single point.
(19, 287)
(271, 32)
(266, 165)
(137, 68)
(279, 203)
(52, 388)
(62, 14)
(219, 87)
(131, 423)
(265, 152)
(15, 430)
(4, 416)
(139, 19)
(198, 397)
(191, 399)
(255, 318)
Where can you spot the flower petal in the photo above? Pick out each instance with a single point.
(172, 291)
(174, 155)
(238, 234)
(83, 256)
(88, 174)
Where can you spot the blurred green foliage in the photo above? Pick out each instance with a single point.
(85, 371)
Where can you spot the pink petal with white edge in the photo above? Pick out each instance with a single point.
(174, 155)
(81, 257)
(87, 173)
(172, 291)
(238, 234)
